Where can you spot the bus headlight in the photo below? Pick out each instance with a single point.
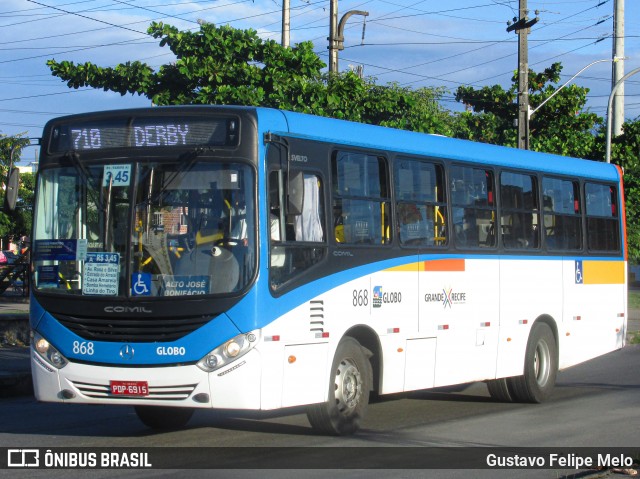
(228, 352)
(47, 352)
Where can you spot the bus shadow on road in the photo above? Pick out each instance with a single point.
(291, 421)
(468, 392)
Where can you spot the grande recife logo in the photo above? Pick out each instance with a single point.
(448, 297)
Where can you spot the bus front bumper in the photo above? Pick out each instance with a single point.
(236, 386)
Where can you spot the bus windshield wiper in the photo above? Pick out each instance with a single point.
(188, 159)
(86, 176)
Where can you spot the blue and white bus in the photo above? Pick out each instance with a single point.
(254, 259)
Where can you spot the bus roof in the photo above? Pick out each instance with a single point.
(436, 146)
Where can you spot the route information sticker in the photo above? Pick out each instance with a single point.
(101, 274)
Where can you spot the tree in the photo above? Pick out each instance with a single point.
(220, 65)
(223, 65)
(561, 126)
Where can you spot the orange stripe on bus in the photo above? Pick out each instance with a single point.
(444, 265)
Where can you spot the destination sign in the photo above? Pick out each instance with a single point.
(148, 132)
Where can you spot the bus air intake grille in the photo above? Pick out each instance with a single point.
(138, 330)
(166, 393)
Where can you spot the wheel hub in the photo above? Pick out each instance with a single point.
(541, 363)
(348, 386)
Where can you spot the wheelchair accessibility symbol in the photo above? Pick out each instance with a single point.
(579, 278)
(141, 284)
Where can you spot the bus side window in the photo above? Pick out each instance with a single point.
(297, 242)
(473, 207)
(519, 216)
(420, 203)
(361, 207)
(603, 227)
(562, 214)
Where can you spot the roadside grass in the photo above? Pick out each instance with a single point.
(634, 299)
(634, 303)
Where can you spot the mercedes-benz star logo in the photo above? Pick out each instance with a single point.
(127, 352)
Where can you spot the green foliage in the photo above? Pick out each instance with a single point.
(7, 143)
(215, 65)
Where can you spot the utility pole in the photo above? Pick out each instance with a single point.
(286, 23)
(333, 33)
(618, 66)
(521, 26)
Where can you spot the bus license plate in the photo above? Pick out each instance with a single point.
(129, 388)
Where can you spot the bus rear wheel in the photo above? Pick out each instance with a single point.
(540, 367)
(349, 387)
(163, 418)
(499, 390)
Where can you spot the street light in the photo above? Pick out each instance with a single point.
(336, 33)
(531, 112)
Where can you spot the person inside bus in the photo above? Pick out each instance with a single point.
(466, 228)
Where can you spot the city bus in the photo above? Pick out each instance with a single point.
(250, 259)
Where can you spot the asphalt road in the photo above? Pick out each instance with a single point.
(594, 405)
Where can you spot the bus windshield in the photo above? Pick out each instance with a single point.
(145, 229)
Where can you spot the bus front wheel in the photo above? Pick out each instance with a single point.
(349, 387)
(540, 367)
(162, 417)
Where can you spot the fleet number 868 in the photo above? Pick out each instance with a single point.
(85, 348)
(360, 297)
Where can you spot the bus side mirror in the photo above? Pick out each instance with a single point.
(11, 193)
(295, 193)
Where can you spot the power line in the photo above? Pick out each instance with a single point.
(88, 18)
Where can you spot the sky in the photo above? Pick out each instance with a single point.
(415, 43)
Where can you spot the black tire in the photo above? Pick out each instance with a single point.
(349, 388)
(540, 367)
(163, 417)
(499, 390)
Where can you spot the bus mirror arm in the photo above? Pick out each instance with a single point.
(295, 179)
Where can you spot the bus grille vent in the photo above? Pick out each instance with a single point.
(166, 393)
(316, 316)
(132, 329)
